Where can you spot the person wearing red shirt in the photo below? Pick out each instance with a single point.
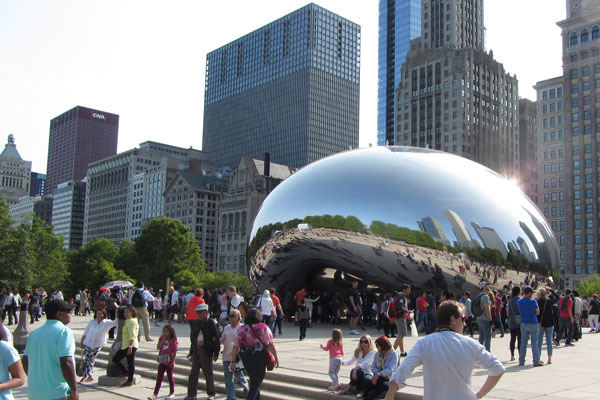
(300, 294)
(191, 313)
(565, 306)
(422, 306)
(279, 311)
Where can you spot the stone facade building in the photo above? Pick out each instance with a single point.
(454, 96)
(194, 199)
(528, 149)
(249, 185)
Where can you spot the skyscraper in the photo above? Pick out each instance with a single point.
(528, 149)
(454, 96)
(578, 229)
(290, 88)
(79, 137)
(399, 23)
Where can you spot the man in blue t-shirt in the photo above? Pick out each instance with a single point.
(48, 359)
(529, 310)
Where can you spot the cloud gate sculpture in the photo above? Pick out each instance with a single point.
(361, 211)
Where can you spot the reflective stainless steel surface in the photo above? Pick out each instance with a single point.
(379, 191)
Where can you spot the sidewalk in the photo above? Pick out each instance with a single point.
(572, 375)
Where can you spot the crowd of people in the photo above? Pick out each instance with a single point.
(242, 329)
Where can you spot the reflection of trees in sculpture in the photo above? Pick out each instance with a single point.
(407, 235)
(349, 223)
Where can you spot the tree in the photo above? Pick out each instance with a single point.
(106, 272)
(47, 256)
(164, 248)
(84, 263)
(127, 258)
(589, 285)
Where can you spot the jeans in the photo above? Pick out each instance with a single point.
(422, 317)
(334, 369)
(565, 324)
(498, 324)
(255, 362)
(485, 333)
(229, 384)
(549, 332)
(528, 330)
(431, 320)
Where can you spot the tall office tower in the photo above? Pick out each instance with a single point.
(249, 185)
(79, 137)
(434, 228)
(290, 88)
(38, 184)
(194, 198)
(581, 83)
(68, 212)
(528, 149)
(15, 173)
(399, 23)
(126, 190)
(454, 96)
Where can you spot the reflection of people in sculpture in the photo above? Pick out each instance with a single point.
(351, 299)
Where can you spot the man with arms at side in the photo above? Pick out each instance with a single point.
(529, 310)
(448, 358)
(401, 306)
(566, 320)
(139, 299)
(48, 359)
(484, 321)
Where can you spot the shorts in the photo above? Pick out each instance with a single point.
(352, 313)
(401, 326)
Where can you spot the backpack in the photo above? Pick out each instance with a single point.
(137, 300)
(112, 304)
(476, 309)
(393, 311)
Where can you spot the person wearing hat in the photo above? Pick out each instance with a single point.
(204, 350)
(484, 320)
(48, 359)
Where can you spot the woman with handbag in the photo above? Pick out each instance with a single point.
(255, 346)
(514, 321)
(94, 337)
(546, 320)
(228, 338)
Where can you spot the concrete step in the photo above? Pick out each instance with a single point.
(295, 384)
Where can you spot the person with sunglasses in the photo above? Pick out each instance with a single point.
(448, 358)
(362, 360)
(228, 339)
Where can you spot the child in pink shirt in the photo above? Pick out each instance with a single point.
(336, 352)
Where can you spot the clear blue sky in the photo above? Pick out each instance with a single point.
(145, 60)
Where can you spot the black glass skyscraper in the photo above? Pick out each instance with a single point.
(290, 88)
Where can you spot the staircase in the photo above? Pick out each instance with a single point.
(276, 386)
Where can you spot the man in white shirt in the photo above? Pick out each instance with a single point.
(448, 359)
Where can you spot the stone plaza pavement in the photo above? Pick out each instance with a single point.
(572, 375)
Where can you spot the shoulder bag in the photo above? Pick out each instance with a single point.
(270, 358)
(517, 316)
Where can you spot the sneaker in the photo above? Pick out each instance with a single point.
(569, 344)
(539, 365)
(170, 396)
(403, 354)
(592, 330)
(354, 332)
(153, 397)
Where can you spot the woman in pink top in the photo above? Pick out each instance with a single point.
(253, 341)
(336, 352)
